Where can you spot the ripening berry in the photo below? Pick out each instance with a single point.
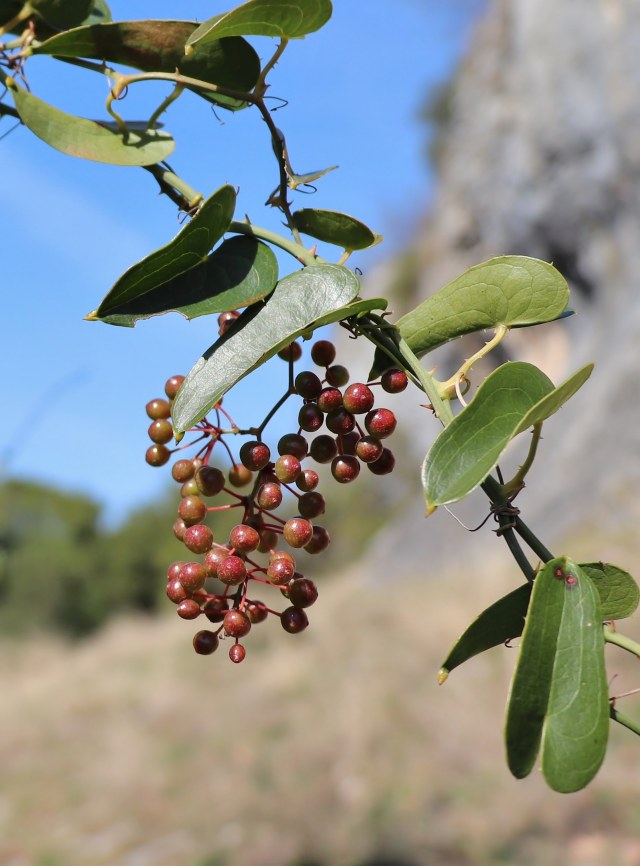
(225, 320)
(329, 399)
(198, 538)
(280, 571)
(236, 623)
(307, 480)
(302, 592)
(173, 571)
(239, 475)
(369, 449)
(179, 528)
(237, 653)
(205, 642)
(345, 468)
(192, 510)
(294, 620)
(189, 488)
(394, 381)
(311, 505)
(287, 468)
(268, 540)
(188, 609)
(172, 385)
(292, 352)
(158, 408)
(215, 608)
(340, 421)
(244, 538)
(176, 591)
(182, 470)
(297, 532)
(380, 423)
(213, 559)
(255, 455)
(358, 398)
(269, 495)
(323, 353)
(160, 431)
(157, 455)
(256, 611)
(232, 570)
(192, 576)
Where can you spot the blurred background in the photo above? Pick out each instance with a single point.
(463, 130)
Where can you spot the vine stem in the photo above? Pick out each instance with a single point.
(449, 386)
(619, 717)
(621, 640)
(517, 482)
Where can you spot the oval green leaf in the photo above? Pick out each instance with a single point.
(513, 398)
(499, 623)
(576, 725)
(337, 228)
(188, 249)
(288, 19)
(63, 13)
(297, 302)
(618, 591)
(241, 271)
(515, 291)
(87, 139)
(158, 46)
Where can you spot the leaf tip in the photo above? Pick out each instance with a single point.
(443, 675)
(92, 316)
(430, 509)
(178, 435)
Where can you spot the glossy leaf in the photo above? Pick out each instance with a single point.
(558, 694)
(87, 139)
(188, 249)
(241, 271)
(279, 18)
(158, 46)
(351, 311)
(297, 302)
(499, 623)
(63, 13)
(618, 591)
(515, 291)
(576, 726)
(334, 227)
(511, 399)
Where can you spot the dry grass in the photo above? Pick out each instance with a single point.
(328, 748)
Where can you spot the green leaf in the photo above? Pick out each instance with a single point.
(158, 46)
(296, 180)
(351, 311)
(298, 301)
(618, 591)
(99, 13)
(280, 18)
(513, 398)
(87, 139)
(515, 291)
(499, 623)
(188, 249)
(559, 690)
(241, 271)
(576, 726)
(62, 13)
(334, 227)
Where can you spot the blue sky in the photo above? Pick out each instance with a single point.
(75, 391)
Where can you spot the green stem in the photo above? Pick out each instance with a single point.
(261, 87)
(517, 482)
(624, 720)
(299, 252)
(448, 387)
(175, 93)
(533, 541)
(442, 408)
(185, 196)
(495, 493)
(621, 640)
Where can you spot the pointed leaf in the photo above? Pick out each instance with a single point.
(618, 591)
(241, 271)
(87, 139)
(509, 290)
(188, 249)
(512, 398)
(499, 623)
(351, 311)
(334, 227)
(280, 18)
(297, 302)
(62, 13)
(531, 684)
(296, 180)
(158, 46)
(576, 727)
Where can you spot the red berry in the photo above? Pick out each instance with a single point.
(157, 455)
(236, 623)
(358, 398)
(209, 480)
(213, 559)
(329, 399)
(192, 576)
(345, 468)
(280, 571)
(292, 352)
(244, 538)
(176, 591)
(269, 495)
(237, 653)
(287, 468)
(369, 449)
(255, 455)
(297, 532)
(380, 423)
(256, 611)
(172, 385)
(179, 528)
(192, 509)
(394, 381)
(182, 470)
(198, 538)
(158, 409)
(319, 540)
(307, 480)
(384, 464)
(188, 609)
(232, 570)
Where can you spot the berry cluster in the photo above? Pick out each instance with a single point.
(220, 585)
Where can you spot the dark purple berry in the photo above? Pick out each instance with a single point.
(345, 468)
(310, 418)
(293, 443)
(384, 464)
(323, 353)
(337, 375)
(307, 480)
(209, 480)
(215, 608)
(302, 592)
(292, 352)
(340, 421)
(319, 540)
(311, 505)
(255, 455)
(205, 642)
(394, 381)
(307, 385)
(323, 449)
(294, 620)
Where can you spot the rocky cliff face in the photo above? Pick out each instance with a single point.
(541, 157)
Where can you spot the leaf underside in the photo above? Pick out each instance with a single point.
(334, 227)
(289, 19)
